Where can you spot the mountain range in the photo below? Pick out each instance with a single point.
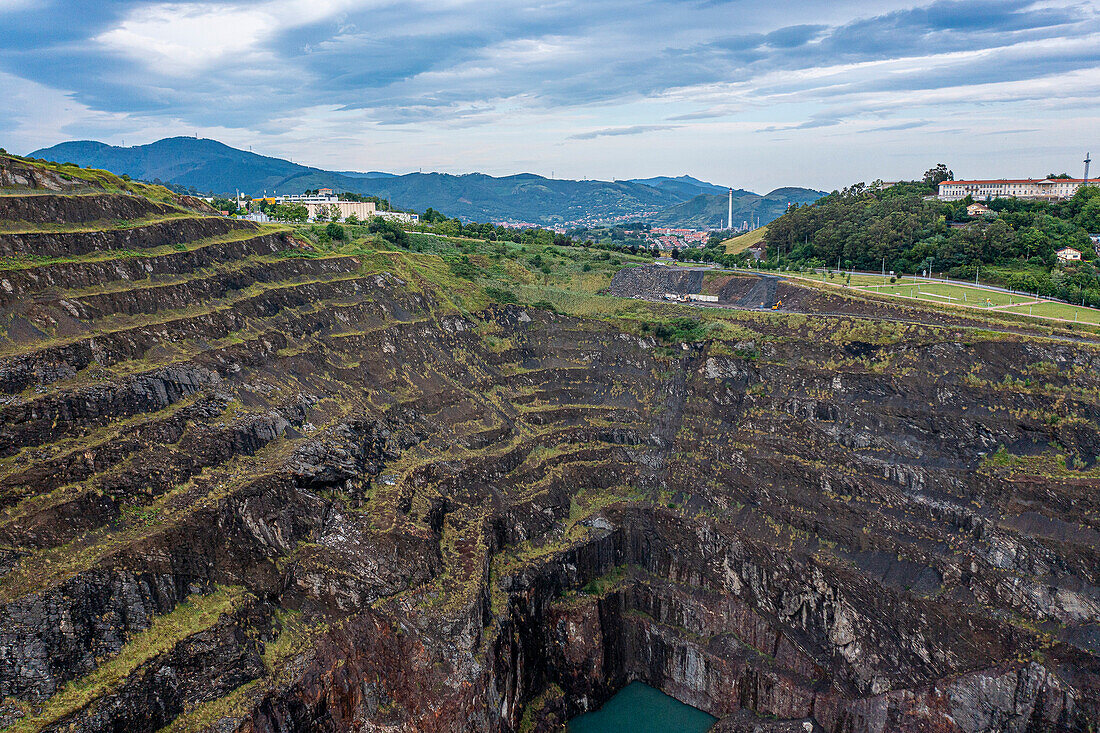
(707, 211)
(209, 166)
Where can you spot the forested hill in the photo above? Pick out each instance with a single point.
(1016, 243)
(209, 166)
(707, 211)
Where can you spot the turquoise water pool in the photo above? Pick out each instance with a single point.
(638, 708)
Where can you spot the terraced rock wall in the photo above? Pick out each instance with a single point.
(245, 486)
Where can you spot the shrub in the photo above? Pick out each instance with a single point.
(677, 331)
(463, 267)
(335, 231)
(501, 295)
(390, 231)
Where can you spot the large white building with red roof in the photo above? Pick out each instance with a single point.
(1047, 189)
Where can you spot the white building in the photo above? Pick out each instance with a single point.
(1068, 254)
(1048, 189)
(400, 216)
(363, 210)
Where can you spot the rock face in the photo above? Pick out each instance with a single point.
(247, 490)
(653, 281)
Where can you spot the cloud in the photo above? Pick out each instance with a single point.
(420, 73)
(620, 131)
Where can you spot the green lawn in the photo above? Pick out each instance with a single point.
(952, 294)
(859, 280)
(1059, 310)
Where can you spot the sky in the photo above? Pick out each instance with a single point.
(755, 94)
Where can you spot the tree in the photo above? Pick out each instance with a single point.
(224, 204)
(335, 231)
(939, 174)
(389, 231)
(431, 216)
(352, 219)
(291, 212)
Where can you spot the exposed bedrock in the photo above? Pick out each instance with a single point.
(246, 487)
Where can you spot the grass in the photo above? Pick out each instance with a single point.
(735, 245)
(93, 179)
(1064, 311)
(103, 225)
(28, 261)
(1050, 464)
(953, 294)
(202, 492)
(190, 617)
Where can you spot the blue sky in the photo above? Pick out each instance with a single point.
(750, 93)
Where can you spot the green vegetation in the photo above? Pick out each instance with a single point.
(100, 180)
(1054, 463)
(737, 245)
(952, 294)
(676, 331)
(190, 617)
(1063, 311)
(868, 228)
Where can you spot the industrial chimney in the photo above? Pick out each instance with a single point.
(729, 220)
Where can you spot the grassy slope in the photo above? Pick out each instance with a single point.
(743, 242)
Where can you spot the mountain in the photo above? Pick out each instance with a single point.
(207, 165)
(210, 166)
(213, 167)
(684, 186)
(707, 211)
(368, 174)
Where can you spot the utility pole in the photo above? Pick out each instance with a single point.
(883, 270)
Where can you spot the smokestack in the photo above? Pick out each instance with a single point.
(729, 220)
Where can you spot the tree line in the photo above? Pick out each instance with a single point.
(904, 229)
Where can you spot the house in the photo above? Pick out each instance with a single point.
(1068, 254)
(979, 210)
